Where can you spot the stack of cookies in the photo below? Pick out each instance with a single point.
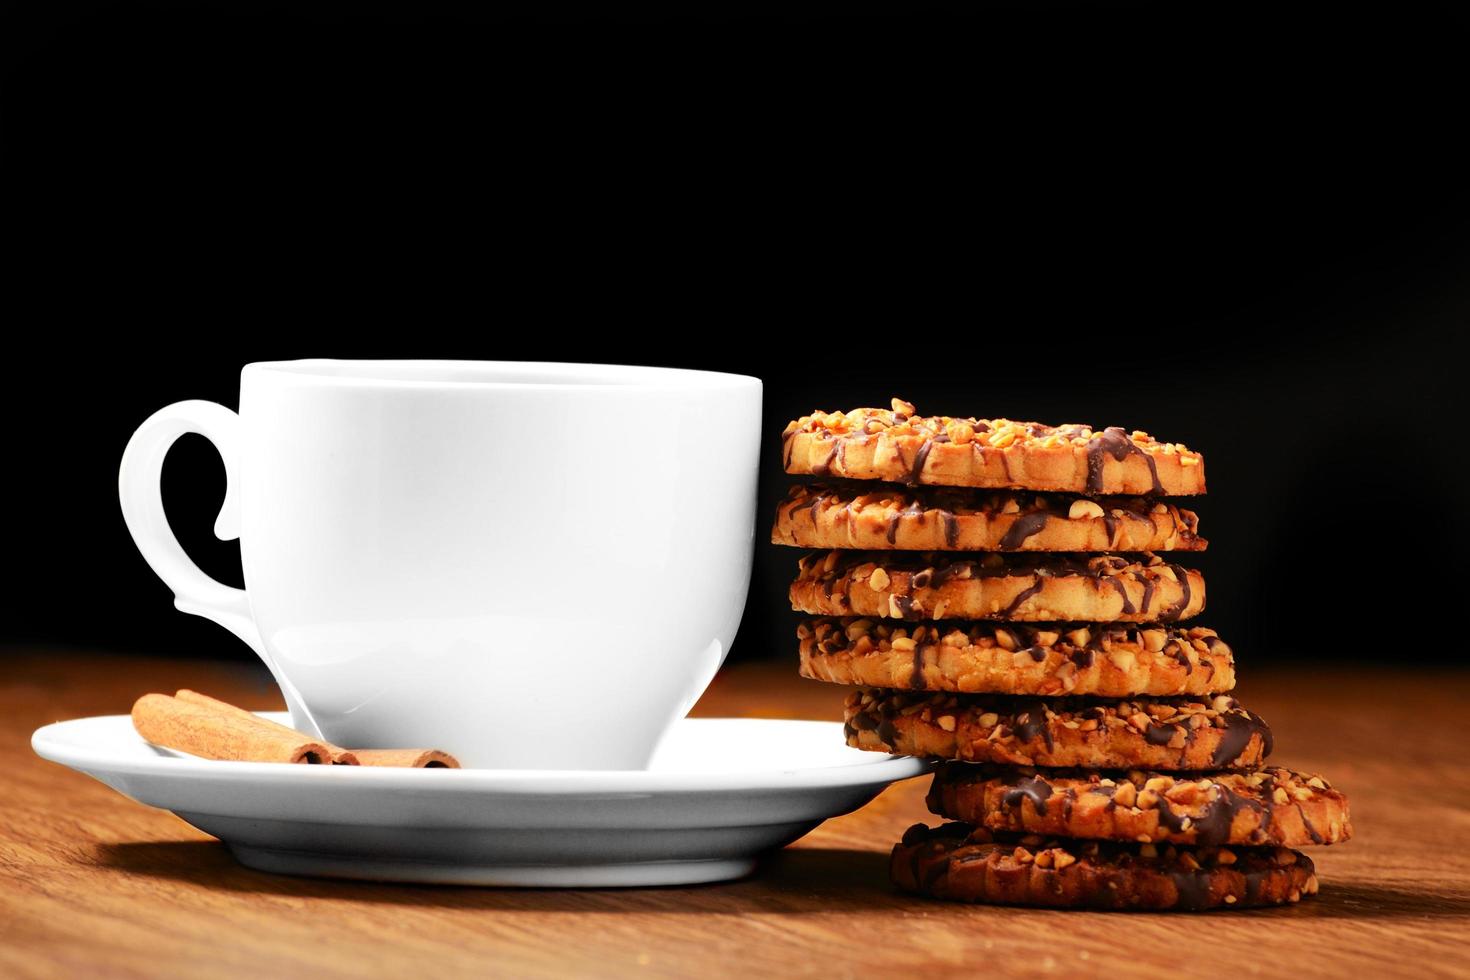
(998, 593)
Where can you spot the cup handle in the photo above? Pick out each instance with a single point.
(138, 489)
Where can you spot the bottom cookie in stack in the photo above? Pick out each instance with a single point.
(1125, 840)
(961, 862)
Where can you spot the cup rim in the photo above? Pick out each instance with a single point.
(564, 375)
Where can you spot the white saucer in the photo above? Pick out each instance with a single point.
(719, 792)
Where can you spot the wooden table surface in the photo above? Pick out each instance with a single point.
(92, 883)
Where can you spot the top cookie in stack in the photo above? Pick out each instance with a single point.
(999, 590)
(899, 446)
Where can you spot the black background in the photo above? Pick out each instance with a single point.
(1243, 227)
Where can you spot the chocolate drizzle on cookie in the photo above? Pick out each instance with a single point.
(951, 528)
(1312, 831)
(1021, 598)
(1035, 789)
(1128, 608)
(1025, 526)
(1193, 890)
(1177, 610)
(1148, 592)
(825, 466)
(920, 457)
(1240, 728)
(1031, 722)
(1159, 734)
(1114, 442)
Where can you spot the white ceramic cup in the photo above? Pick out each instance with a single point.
(527, 565)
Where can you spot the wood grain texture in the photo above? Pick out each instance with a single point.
(92, 883)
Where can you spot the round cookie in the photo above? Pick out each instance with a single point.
(1135, 733)
(1019, 588)
(942, 519)
(991, 658)
(1268, 806)
(897, 446)
(962, 863)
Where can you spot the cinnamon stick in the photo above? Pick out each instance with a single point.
(339, 755)
(213, 734)
(214, 729)
(403, 758)
(410, 758)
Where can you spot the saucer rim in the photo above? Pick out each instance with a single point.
(50, 742)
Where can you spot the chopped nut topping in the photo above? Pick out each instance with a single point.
(1084, 508)
(1125, 795)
